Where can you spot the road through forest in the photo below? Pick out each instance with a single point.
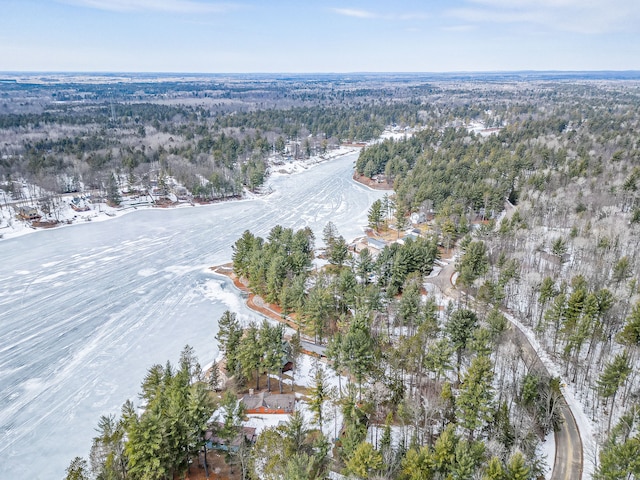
(568, 462)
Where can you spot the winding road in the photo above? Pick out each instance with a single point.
(568, 462)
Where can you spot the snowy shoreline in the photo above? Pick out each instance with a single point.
(90, 309)
(69, 217)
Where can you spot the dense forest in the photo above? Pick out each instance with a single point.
(562, 257)
(443, 392)
(211, 136)
(451, 382)
(531, 184)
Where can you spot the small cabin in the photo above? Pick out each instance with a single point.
(214, 442)
(374, 243)
(418, 217)
(28, 213)
(269, 403)
(79, 204)
(181, 192)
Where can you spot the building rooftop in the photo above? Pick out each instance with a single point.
(270, 401)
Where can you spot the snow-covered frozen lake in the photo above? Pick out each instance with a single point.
(86, 310)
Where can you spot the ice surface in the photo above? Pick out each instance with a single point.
(86, 310)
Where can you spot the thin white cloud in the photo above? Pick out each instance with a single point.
(410, 16)
(482, 16)
(349, 12)
(581, 16)
(533, 3)
(166, 6)
(459, 28)
(365, 14)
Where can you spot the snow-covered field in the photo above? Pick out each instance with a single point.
(86, 310)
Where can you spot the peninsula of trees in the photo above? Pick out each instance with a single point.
(531, 181)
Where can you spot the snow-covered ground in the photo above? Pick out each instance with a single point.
(480, 129)
(86, 310)
(585, 425)
(547, 451)
(546, 448)
(11, 226)
(396, 134)
(332, 415)
(285, 167)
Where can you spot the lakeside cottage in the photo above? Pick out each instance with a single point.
(376, 244)
(313, 349)
(269, 403)
(28, 213)
(214, 442)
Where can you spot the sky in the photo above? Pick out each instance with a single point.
(318, 36)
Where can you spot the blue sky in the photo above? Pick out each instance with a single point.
(318, 36)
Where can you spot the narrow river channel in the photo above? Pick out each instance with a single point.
(86, 310)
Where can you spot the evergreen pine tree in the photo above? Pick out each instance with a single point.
(630, 334)
(517, 469)
(418, 464)
(375, 215)
(77, 469)
(113, 191)
(318, 395)
(214, 376)
(364, 461)
(612, 378)
(476, 395)
(494, 470)
(460, 329)
(251, 353)
(444, 450)
(228, 336)
(464, 466)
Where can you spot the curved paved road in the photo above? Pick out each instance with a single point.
(568, 462)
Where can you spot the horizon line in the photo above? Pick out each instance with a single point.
(358, 72)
